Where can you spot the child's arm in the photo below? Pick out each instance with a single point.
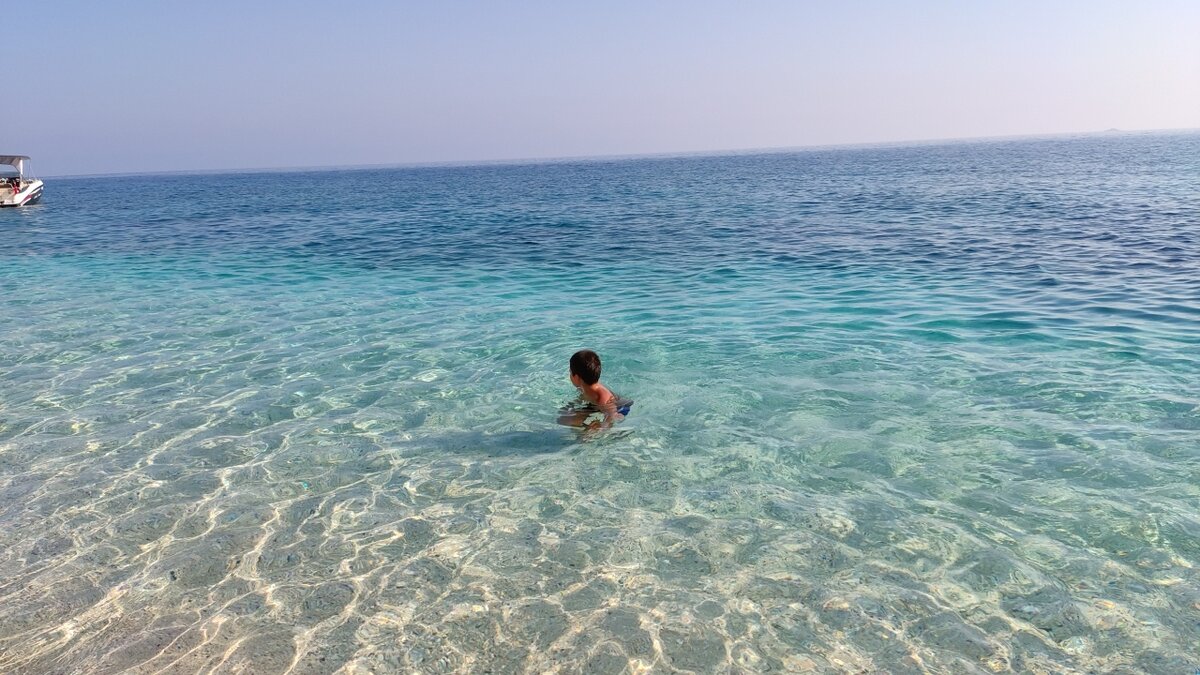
(573, 418)
(609, 408)
(573, 414)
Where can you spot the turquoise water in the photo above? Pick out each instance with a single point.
(907, 409)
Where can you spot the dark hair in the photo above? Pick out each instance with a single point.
(586, 364)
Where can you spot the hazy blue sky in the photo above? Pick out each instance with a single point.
(151, 85)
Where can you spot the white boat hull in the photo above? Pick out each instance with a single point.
(29, 194)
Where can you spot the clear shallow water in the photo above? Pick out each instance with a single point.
(903, 409)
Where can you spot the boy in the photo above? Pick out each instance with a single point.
(598, 407)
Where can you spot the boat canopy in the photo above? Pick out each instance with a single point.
(15, 161)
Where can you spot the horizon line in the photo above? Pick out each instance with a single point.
(613, 157)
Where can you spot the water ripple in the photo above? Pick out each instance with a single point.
(925, 408)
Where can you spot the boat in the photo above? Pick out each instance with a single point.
(18, 190)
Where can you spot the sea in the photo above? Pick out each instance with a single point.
(903, 408)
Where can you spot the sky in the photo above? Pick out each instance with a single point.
(143, 86)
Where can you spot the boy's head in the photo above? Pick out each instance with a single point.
(585, 364)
